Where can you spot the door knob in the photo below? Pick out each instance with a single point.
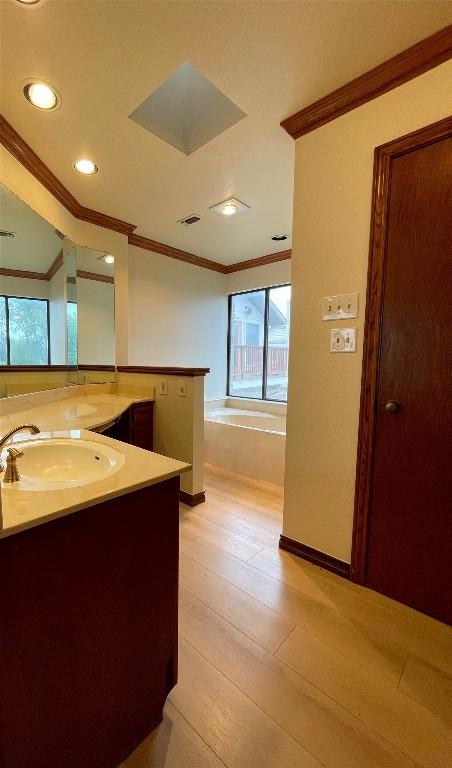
(392, 406)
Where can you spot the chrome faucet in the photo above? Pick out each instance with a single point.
(31, 428)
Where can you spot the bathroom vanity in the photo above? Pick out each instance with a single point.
(88, 599)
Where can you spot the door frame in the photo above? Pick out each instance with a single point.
(383, 158)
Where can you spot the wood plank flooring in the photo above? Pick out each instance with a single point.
(283, 665)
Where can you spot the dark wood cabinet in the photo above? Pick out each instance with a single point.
(88, 631)
(135, 426)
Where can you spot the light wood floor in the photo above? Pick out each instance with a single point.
(283, 665)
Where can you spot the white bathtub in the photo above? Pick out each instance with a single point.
(247, 440)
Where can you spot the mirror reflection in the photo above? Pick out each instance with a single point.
(32, 287)
(95, 307)
(56, 303)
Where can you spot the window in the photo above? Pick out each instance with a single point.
(258, 349)
(71, 333)
(24, 331)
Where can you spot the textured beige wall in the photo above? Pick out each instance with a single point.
(333, 183)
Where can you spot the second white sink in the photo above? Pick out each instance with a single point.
(55, 463)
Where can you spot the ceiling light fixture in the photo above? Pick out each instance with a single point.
(41, 95)
(28, 2)
(87, 167)
(107, 257)
(229, 207)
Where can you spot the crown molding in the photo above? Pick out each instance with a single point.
(175, 253)
(56, 264)
(399, 69)
(51, 272)
(22, 151)
(270, 258)
(95, 276)
(19, 148)
(23, 273)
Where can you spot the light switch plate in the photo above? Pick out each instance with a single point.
(181, 388)
(340, 307)
(163, 387)
(343, 340)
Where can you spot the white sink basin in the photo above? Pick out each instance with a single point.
(54, 463)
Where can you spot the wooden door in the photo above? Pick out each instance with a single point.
(407, 552)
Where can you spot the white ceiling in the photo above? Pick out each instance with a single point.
(36, 244)
(270, 58)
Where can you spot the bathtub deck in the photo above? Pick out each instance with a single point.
(283, 665)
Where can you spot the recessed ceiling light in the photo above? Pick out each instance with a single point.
(41, 95)
(87, 167)
(279, 237)
(229, 207)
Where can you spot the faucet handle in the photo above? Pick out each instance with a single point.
(13, 453)
(12, 474)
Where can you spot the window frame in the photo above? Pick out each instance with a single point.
(8, 339)
(266, 290)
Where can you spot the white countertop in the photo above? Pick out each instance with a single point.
(69, 418)
(77, 412)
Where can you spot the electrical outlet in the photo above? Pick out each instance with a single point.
(182, 388)
(163, 387)
(343, 340)
(340, 307)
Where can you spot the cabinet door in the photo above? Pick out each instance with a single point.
(141, 425)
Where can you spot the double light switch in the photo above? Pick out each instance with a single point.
(341, 307)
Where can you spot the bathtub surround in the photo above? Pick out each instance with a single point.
(247, 437)
(331, 232)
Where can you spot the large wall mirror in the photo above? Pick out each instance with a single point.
(56, 304)
(95, 307)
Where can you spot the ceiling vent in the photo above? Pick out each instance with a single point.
(192, 219)
(187, 110)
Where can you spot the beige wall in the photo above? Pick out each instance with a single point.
(333, 181)
(58, 318)
(259, 277)
(178, 422)
(178, 313)
(177, 316)
(95, 322)
(19, 286)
